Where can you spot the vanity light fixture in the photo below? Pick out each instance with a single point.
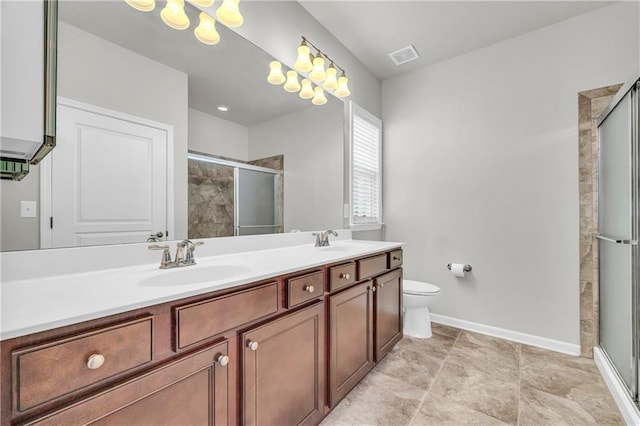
(174, 16)
(307, 89)
(292, 84)
(206, 32)
(275, 74)
(319, 98)
(325, 79)
(142, 5)
(203, 3)
(229, 13)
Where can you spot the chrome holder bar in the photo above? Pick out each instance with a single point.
(467, 268)
(616, 240)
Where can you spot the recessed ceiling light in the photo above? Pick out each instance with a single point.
(223, 108)
(404, 55)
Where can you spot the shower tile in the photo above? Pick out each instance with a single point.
(441, 411)
(586, 299)
(586, 262)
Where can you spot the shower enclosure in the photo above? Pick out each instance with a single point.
(618, 223)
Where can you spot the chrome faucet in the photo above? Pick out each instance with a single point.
(184, 254)
(322, 239)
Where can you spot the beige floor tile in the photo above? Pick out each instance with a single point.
(470, 387)
(440, 411)
(408, 363)
(444, 330)
(542, 408)
(495, 357)
(377, 400)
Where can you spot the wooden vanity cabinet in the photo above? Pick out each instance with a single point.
(351, 339)
(283, 370)
(192, 390)
(388, 312)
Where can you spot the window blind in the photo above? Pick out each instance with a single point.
(365, 168)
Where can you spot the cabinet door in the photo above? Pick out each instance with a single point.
(350, 339)
(388, 308)
(283, 370)
(190, 391)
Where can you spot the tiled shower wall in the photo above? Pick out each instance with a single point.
(211, 196)
(591, 104)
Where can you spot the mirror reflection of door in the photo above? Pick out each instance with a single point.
(108, 178)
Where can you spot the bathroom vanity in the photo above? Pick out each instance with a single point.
(279, 349)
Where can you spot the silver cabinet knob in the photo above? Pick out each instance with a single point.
(373, 288)
(252, 345)
(223, 360)
(380, 285)
(396, 258)
(345, 276)
(95, 361)
(309, 288)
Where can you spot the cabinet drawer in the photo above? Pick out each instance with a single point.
(395, 259)
(342, 276)
(304, 288)
(198, 321)
(372, 266)
(45, 372)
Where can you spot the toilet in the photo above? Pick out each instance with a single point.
(417, 296)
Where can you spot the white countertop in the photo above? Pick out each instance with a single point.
(44, 303)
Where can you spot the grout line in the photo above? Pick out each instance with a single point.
(426, 394)
(519, 384)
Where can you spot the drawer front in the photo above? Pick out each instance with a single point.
(342, 276)
(395, 259)
(46, 372)
(304, 288)
(372, 266)
(199, 321)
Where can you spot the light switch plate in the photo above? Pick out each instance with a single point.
(28, 209)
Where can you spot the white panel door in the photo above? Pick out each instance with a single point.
(109, 180)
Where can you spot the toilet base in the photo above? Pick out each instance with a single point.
(417, 323)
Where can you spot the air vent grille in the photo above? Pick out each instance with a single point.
(404, 55)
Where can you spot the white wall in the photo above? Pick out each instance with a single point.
(132, 84)
(212, 135)
(481, 167)
(312, 143)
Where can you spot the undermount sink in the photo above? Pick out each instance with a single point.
(347, 247)
(194, 275)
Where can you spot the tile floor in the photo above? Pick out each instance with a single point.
(459, 377)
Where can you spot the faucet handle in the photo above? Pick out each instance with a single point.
(318, 239)
(166, 255)
(189, 259)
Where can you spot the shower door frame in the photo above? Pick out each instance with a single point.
(634, 211)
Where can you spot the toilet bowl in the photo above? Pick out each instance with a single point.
(417, 296)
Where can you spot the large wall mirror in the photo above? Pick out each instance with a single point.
(143, 146)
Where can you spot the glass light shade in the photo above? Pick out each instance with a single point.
(206, 32)
(229, 13)
(319, 98)
(303, 63)
(331, 83)
(142, 5)
(318, 73)
(343, 89)
(173, 15)
(292, 84)
(275, 73)
(307, 89)
(203, 3)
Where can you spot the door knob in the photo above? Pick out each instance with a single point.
(223, 360)
(252, 345)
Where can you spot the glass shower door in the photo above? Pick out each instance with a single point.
(256, 204)
(617, 235)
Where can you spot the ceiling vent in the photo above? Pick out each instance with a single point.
(404, 55)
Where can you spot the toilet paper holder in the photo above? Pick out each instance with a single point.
(467, 268)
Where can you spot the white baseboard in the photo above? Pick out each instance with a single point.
(503, 333)
(625, 404)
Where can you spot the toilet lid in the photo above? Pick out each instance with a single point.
(417, 287)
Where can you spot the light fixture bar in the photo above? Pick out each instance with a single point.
(306, 40)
